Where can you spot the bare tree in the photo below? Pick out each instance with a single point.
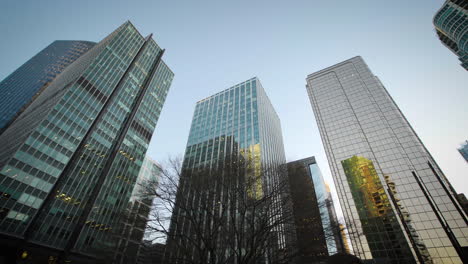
(340, 231)
(234, 212)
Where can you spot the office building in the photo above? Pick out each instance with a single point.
(317, 228)
(452, 28)
(70, 161)
(130, 246)
(397, 203)
(463, 149)
(152, 253)
(237, 125)
(28, 81)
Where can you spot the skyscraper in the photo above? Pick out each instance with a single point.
(234, 126)
(452, 28)
(69, 162)
(463, 149)
(317, 228)
(397, 203)
(130, 245)
(19, 88)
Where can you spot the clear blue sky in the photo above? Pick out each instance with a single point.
(211, 45)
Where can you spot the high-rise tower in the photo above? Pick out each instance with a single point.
(452, 28)
(317, 229)
(24, 84)
(237, 125)
(397, 203)
(69, 162)
(463, 149)
(131, 246)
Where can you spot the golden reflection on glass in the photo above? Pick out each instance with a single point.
(251, 155)
(381, 228)
(366, 186)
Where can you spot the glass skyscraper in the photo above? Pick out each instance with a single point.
(451, 24)
(463, 149)
(397, 203)
(69, 162)
(327, 210)
(24, 84)
(317, 229)
(237, 122)
(130, 245)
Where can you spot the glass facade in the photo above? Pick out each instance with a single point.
(317, 229)
(368, 140)
(327, 211)
(240, 120)
(451, 24)
(237, 122)
(463, 149)
(375, 211)
(25, 83)
(70, 161)
(130, 244)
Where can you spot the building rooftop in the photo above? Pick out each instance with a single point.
(334, 66)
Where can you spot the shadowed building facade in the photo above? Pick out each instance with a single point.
(317, 229)
(152, 253)
(26, 83)
(397, 203)
(69, 162)
(237, 125)
(451, 25)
